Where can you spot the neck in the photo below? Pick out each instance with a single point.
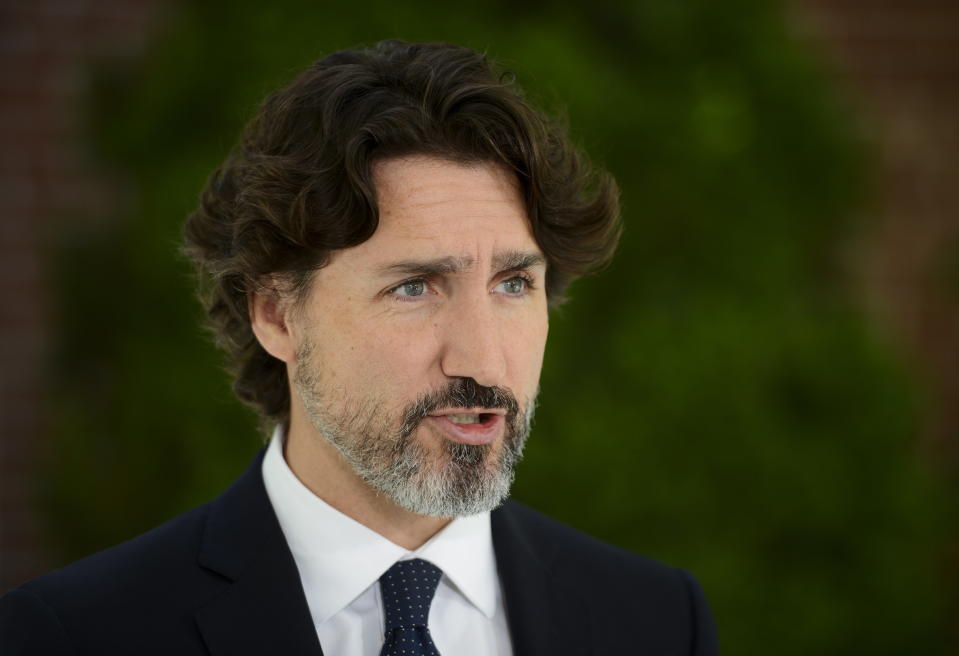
(322, 469)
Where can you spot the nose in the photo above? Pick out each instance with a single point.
(473, 345)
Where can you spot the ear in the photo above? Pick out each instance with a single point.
(269, 319)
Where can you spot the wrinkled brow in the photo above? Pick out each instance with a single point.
(429, 267)
(449, 265)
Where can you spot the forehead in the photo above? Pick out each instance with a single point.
(435, 206)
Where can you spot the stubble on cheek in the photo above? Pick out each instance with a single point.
(395, 451)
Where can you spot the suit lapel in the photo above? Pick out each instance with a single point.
(545, 617)
(263, 609)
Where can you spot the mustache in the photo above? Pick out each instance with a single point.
(459, 393)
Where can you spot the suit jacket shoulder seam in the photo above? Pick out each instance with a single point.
(56, 616)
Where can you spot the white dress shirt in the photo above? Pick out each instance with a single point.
(340, 562)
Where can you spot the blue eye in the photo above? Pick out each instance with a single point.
(515, 285)
(411, 288)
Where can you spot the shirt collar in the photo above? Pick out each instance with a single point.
(464, 551)
(338, 558)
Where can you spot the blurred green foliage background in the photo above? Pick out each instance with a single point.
(714, 400)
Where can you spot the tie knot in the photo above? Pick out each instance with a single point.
(408, 588)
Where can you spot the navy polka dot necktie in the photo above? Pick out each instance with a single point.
(408, 588)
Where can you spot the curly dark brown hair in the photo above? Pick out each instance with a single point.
(299, 184)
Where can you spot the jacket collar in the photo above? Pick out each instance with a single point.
(263, 610)
(545, 616)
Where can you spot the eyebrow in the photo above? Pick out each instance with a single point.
(449, 265)
(517, 260)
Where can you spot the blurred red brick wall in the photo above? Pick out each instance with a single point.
(45, 47)
(897, 63)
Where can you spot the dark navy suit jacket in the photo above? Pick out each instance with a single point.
(220, 580)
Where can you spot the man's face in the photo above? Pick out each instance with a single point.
(419, 351)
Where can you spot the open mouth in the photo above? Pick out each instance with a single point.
(465, 419)
(470, 427)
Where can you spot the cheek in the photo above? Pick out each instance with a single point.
(525, 344)
(395, 360)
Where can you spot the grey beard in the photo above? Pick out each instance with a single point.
(463, 480)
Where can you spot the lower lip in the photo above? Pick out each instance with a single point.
(479, 433)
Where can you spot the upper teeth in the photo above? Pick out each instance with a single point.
(464, 419)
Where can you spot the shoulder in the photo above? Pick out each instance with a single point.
(619, 587)
(136, 587)
(559, 545)
(153, 557)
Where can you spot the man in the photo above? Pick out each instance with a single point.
(378, 258)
